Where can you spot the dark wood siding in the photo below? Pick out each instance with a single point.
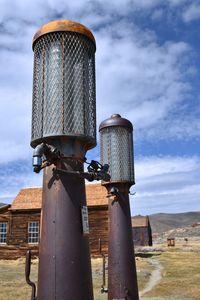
(98, 222)
(19, 226)
(17, 236)
(5, 216)
(142, 236)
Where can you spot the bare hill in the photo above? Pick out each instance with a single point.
(163, 222)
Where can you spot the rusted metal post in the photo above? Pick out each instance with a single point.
(64, 260)
(63, 129)
(122, 278)
(117, 151)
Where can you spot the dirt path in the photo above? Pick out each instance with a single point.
(154, 279)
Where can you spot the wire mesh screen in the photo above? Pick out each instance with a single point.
(64, 87)
(117, 150)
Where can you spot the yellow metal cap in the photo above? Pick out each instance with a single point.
(63, 25)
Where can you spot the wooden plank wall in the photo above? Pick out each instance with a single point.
(17, 237)
(141, 236)
(98, 223)
(19, 227)
(14, 252)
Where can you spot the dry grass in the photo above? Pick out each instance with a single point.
(144, 269)
(13, 285)
(12, 280)
(180, 276)
(97, 279)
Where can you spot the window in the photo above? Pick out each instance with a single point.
(3, 232)
(33, 232)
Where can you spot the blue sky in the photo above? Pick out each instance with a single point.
(147, 69)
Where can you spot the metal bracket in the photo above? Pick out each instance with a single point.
(95, 172)
(113, 195)
(113, 192)
(132, 194)
(27, 275)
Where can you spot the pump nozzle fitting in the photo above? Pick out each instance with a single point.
(41, 150)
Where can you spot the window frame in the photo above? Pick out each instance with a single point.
(33, 232)
(2, 233)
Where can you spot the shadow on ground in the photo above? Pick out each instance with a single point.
(147, 255)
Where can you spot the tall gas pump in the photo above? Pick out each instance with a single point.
(63, 130)
(116, 142)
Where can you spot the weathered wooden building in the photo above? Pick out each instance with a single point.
(141, 230)
(20, 221)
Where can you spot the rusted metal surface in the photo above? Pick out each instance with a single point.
(117, 151)
(122, 278)
(116, 120)
(63, 25)
(64, 258)
(27, 275)
(64, 116)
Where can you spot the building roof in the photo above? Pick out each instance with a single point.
(4, 206)
(31, 198)
(96, 194)
(140, 221)
(28, 198)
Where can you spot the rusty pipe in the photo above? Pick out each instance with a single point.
(122, 278)
(64, 258)
(27, 275)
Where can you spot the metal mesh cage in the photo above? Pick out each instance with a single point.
(64, 101)
(116, 145)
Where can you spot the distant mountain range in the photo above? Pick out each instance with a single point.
(3, 204)
(163, 222)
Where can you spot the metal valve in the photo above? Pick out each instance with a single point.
(44, 153)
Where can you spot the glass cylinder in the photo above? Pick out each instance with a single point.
(116, 146)
(64, 97)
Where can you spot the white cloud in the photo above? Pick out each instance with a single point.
(182, 126)
(148, 167)
(13, 177)
(166, 184)
(138, 76)
(157, 14)
(147, 77)
(15, 121)
(191, 13)
(145, 4)
(175, 3)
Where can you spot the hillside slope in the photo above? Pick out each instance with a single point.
(163, 222)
